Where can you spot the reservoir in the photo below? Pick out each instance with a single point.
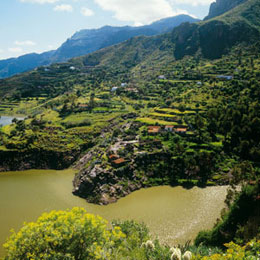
(7, 120)
(174, 215)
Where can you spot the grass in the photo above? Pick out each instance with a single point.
(217, 144)
(50, 116)
(184, 181)
(150, 121)
(162, 115)
(175, 111)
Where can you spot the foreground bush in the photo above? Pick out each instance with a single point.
(76, 235)
(251, 251)
(64, 235)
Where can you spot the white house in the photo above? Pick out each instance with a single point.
(161, 77)
(114, 89)
(169, 128)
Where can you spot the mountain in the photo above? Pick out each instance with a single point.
(211, 39)
(222, 6)
(87, 41)
(240, 27)
(216, 36)
(13, 66)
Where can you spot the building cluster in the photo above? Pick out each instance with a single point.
(153, 130)
(124, 87)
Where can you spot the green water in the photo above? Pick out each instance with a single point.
(172, 214)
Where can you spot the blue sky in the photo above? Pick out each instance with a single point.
(40, 25)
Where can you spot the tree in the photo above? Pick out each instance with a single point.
(78, 93)
(199, 122)
(91, 102)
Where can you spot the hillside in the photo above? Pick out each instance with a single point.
(87, 41)
(222, 6)
(211, 39)
(208, 39)
(117, 93)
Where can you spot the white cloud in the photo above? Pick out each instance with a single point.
(191, 2)
(40, 1)
(50, 47)
(1, 51)
(15, 49)
(25, 43)
(86, 12)
(63, 8)
(139, 11)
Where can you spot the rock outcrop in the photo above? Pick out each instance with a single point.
(222, 6)
(36, 159)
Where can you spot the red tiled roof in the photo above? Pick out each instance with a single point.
(154, 129)
(119, 161)
(183, 130)
(112, 156)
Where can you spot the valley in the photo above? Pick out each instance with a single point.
(163, 129)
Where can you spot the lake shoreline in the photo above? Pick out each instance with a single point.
(27, 194)
(13, 160)
(103, 199)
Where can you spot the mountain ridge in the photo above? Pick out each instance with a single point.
(87, 41)
(209, 39)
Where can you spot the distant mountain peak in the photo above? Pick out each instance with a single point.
(88, 41)
(220, 7)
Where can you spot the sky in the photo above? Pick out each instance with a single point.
(28, 26)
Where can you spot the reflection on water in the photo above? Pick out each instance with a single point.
(7, 120)
(175, 215)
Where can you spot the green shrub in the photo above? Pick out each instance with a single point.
(64, 235)
(72, 124)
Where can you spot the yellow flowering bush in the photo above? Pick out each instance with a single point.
(250, 251)
(66, 235)
(76, 235)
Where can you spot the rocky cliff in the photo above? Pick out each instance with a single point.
(222, 6)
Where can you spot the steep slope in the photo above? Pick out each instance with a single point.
(87, 41)
(222, 6)
(216, 36)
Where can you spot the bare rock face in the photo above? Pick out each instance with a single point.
(222, 6)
